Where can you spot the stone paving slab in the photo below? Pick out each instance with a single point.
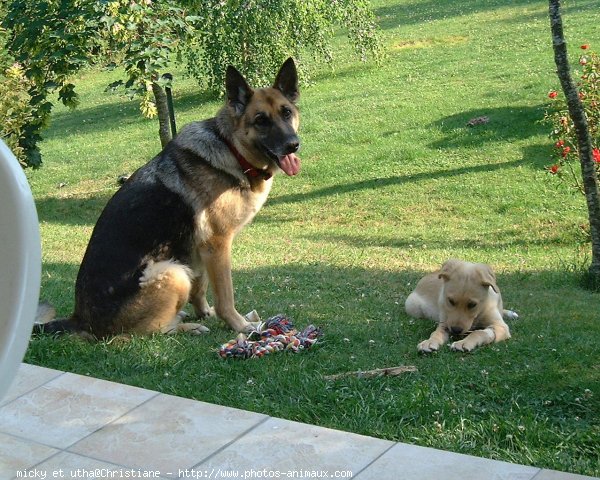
(284, 446)
(414, 462)
(167, 434)
(28, 378)
(68, 408)
(18, 455)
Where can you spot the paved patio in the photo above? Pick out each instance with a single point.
(60, 425)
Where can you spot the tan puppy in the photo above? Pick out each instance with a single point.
(463, 298)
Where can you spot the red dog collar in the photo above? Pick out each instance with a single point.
(247, 168)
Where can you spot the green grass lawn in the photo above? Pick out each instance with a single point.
(393, 184)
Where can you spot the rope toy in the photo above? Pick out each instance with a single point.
(274, 335)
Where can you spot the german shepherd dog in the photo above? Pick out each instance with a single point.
(167, 233)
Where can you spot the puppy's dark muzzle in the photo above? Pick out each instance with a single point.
(456, 330)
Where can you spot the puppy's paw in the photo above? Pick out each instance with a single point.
(463, 346)
(428, 346)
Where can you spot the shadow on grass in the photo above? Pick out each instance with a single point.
(85, 211)
(72, 210)
(314, 293)
(115, 114)
(505, 124)
(94, 119)
(430, 10)
(331, 295)
(418, 11)
(510, 238)
(375, 183)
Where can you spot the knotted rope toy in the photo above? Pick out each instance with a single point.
(274, 335)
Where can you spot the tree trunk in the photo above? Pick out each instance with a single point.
(584, 143)
(162, 109)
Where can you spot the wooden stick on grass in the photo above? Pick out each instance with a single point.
(378, 372)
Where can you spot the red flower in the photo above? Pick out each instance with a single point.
(553, 169)
(596, 155)
(559, 144)
(566, 151)
(585, 46)
(552, 94)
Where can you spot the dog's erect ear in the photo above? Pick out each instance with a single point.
(488, 277)
(239, 92)
(287, 80)
(447, 269)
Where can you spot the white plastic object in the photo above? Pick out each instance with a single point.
(20, 265)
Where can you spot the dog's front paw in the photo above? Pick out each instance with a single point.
(428, 346)
(252, 323)
(463, 346)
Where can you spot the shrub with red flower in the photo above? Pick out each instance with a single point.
(565, 152)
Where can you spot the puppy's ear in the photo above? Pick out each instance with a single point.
(447, 269)
(488, 277)
(287, 80)
(239, 92)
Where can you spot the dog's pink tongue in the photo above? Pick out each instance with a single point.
(290, 164)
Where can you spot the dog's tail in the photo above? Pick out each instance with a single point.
(510, 315)
(45, 321)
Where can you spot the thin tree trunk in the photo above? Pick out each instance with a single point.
(584, 143)
(160, 97)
